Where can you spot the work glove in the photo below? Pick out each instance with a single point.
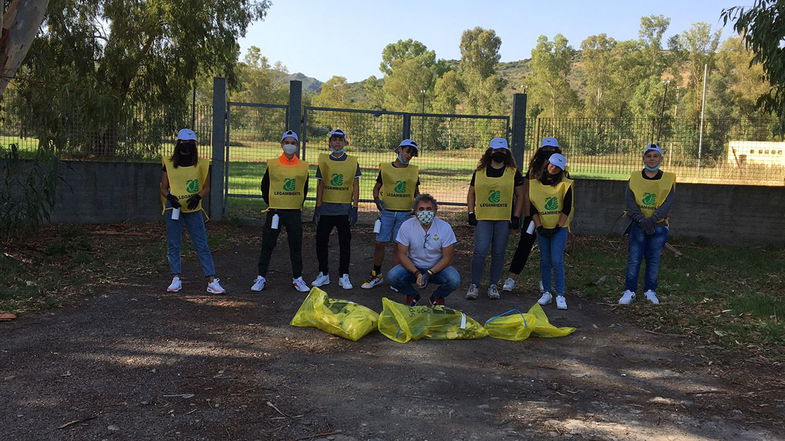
(515, 223)
(379, 204)
(173, 201)
(647, 225)
(472, 218)
(193, 201)
(352, 216)
(316, 214)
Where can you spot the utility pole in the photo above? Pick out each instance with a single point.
(703, 110)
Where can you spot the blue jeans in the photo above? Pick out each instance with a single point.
(401, 279)
(194, 222)
(640, 247)
(391, 223)
(489, 234)
(552, 260)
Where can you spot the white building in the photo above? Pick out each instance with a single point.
(743, 153)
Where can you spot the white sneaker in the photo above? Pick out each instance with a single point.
(561, 302)
(176, 285)
(299, 284)
(542, 289)
(321, 280)
(473, 292)
(545, 298)
(652, 297)
(215, 288)
(509, 284)
(493, 292)
(627, 297)
(258, 284)
(344, 282)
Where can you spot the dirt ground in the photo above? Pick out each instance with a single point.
(136, 363)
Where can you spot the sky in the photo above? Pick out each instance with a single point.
(346, 37)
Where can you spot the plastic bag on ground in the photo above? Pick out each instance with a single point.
(338, 317)
(516, 326)
(403, 323)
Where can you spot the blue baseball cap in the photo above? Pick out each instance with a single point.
(549, 142)
(290, 134)
(498, 143)
(186, 135)
(558, 160)
(653, 147)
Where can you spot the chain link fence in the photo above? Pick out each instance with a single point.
(730, 151)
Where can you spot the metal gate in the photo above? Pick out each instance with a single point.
(253, 133)
(451, 145)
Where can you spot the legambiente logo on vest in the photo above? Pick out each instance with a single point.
(336, 180)
(650, 199)
(552, 203)
(192, 186)
(399, 191)
(494, 200)
(289, 185)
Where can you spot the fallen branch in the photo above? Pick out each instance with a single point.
(673, 250)
(702, 392)
(74, 422)
(278, 410)
(666, 335)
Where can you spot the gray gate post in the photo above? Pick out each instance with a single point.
(518, 128)
(219, 143)
(407, 127)
(295, 109)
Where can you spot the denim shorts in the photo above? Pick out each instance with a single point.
(391, 223)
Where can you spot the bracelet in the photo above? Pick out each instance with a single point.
(430, 273)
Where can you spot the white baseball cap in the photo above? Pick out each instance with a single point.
(290, 134)
(409, 143)
(558, 160)
(549, 141)
(337, 132)
(653, 147)
(186, 135)
(498, 143)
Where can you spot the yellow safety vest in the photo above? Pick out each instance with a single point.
(287, 184)
(651, 193)
(184, 182)
(493, 196)
(337, 178)
(549, 201)
(398, 185)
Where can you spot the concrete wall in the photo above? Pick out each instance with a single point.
(103, 192)
(724, 214)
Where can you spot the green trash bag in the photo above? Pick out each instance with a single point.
(338, 317)
(517, 326)
(403, 323)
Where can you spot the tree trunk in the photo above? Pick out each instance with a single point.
(20, 26)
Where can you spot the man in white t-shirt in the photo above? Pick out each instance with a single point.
(425, 247)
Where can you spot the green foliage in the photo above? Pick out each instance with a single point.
(27, 195)
(763, 28)
(551, 66)
(96, 58)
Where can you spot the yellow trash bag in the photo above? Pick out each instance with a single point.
(516, 326)
(402, 323)
(338, 317)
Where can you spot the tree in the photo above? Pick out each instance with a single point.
(762, 27)
(598, 66)
(652, 29)
(94, 58)
(20, 22)
(699, 45)
(477, 69)
(551, 66)
(334, 93)
(410, 75)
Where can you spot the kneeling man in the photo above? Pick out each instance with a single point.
(425, 247)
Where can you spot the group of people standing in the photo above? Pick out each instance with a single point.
(500, 199)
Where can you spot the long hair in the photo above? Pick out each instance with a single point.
(540, 160)
(176, 155)
(485, 160)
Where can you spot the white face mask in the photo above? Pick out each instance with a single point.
(289, 149)
(425, 217)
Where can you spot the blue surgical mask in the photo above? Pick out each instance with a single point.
(655, 168)
(402, 161)
(337, 152)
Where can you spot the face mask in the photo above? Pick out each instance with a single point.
(498, 156)
(341, 150)
(402, 161)
(655, 168)
(425, 217)
(289, 149)
(187, 149)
